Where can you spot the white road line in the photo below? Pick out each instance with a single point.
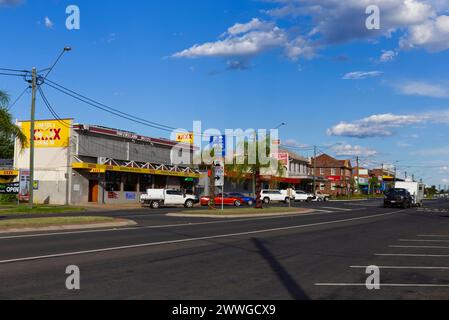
(420, 240)
(383, 285)
(412, 255)
(402, 267)
(152, 244)
(160, 226)
(334, 208)
(420, 247)
(432, 236)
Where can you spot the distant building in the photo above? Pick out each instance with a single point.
(337, 175)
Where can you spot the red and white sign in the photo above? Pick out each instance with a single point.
(282, 158)
(334, 178)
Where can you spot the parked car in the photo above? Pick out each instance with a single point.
(246, 200)
(321, 197)
(269, 196)
(227, 200)
(156, 198)
(289, 192)
(303, 196)
(398, 198)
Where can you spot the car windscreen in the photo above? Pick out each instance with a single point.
(397, 192)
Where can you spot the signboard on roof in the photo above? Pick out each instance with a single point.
(49, 133)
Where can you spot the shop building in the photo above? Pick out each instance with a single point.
(80, 164)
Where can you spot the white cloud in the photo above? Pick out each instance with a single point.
(432, 152)
(352, 151)
(294, 143)
(7, 3)
(359, 75)
(374, 126)
(425, 89)
(249, 39)
(388, 55)
(433, 35)
(422, 23)
(48, 23)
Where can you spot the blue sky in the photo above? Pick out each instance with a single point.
(256, 64)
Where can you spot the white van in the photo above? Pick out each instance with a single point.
(415, 189)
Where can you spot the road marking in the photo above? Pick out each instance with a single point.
(420, 247)
(152, 244)
(420, 240)
(334, 208)
(412, 255)
(432, 236)
(402, 267)
(383, 285)
(320, 212)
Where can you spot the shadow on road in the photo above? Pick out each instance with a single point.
(284, 277)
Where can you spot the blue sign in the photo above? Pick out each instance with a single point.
(221, 142)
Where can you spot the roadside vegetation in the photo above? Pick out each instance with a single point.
(10, 209)
(54, 221)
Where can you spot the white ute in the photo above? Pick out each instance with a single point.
(156, 198)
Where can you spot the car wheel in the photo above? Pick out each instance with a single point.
(250, 203)
(188, 204)
(287, 200)
(266, 200)
(237, 203)
(155, 205)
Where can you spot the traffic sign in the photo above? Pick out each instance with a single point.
(221, 142)
(219, 176)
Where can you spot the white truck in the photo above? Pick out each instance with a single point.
(415, 189)
(156, 198)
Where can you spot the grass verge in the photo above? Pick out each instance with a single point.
(242, 211)
(51, 222)
(40, 209)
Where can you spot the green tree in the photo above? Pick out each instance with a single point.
(240, 171)
(8, 130)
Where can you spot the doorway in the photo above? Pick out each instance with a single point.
(93, 191)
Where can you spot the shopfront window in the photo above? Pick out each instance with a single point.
(113, 181)
(146, 182)
(130, 181)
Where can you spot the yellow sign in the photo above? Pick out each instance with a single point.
(185, 138)
(49, 133)
(9, 173)
(95, 167)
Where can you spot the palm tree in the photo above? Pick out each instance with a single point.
(8, 130)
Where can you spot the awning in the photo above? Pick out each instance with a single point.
(101, 168)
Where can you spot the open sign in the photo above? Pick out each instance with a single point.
(9, 188)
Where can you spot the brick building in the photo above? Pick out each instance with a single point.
(336, 173)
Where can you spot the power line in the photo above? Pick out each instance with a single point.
(13, 70)
(18, 98)
(52, 111)
(130, 118)
(109, 107)
(11, 74)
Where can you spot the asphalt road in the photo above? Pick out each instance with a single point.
(322, 255)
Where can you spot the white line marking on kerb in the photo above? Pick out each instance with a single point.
(419, 247)
(432, 236)
(383, 285)
(412, 255)
(413, 240)
(338, 209)
(402, 267)
(152, 244)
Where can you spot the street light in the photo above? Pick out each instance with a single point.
(36, 82)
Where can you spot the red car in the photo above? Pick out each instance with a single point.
(227, 200)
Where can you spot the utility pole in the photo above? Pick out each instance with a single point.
(33, 112)
(314, 169)
(358, 175)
